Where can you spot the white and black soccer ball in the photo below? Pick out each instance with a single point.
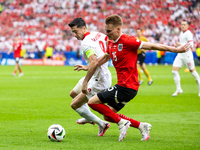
(56, 132)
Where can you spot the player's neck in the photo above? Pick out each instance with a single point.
(185, 30)
(116, 39)
(85, 34)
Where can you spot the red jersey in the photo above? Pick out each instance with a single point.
(17, 49)
(123, 53)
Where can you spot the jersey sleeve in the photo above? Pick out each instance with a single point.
(190, 39)
(134, 43)
(88, 48)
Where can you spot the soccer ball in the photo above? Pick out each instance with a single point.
(56, 132)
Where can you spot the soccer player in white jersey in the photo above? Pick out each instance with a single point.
(93, 46)
(184, 58)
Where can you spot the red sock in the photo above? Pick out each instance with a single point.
(20, 71)
(15, 71)
(103, 109)
(134, 123)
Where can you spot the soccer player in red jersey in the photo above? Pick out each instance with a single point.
(122, 49)
(17, 46)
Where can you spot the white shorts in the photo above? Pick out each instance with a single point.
(187, 60)
(94, 86)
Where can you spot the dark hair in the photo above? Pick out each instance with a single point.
(185, 21)
(79, 22)
(139, 29)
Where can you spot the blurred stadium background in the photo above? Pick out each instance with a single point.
(43, 24)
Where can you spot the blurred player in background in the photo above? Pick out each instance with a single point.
(184, 58)
(93, 46)
(141, 58)
(17, 47)
(122, 49)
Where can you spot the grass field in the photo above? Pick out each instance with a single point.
(30, 104)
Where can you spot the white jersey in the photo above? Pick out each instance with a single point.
(97, 42)
(187, 57)
(102, 76)
(184, 38)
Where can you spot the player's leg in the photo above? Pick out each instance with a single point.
(146, 72)
(115, 97)
(139, 74)
(16, 66)
(197, 78)
(78, 104)
(190, 64)
(73, 93)
(138, 68)
(109, 115)
(20, 70)
(177, 64)
(143, 127)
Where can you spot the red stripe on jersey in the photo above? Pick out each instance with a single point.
(87, 33)
(185, 31)
(106, 38)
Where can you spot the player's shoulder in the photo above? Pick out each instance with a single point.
(93, 37)
(187, 32)
(94, 34)
(125, 37)
(144, 39)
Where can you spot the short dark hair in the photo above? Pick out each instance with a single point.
(185, 21)
(78, 22)
(139, 29)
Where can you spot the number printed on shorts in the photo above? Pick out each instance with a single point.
(189, 64)
(111, 88)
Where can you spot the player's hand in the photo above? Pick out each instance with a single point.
(183, 48)
(80, 67)
(84, 88)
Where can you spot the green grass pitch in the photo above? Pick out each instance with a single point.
(30, 104)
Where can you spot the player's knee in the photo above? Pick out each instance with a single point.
(192, 70)
(73, 106)
(174, 72)
(72, 94)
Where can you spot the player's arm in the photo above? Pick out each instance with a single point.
(161, 47)
(103, 59)
(90, 70)
(9, 51)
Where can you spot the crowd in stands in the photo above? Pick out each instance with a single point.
(42, 23)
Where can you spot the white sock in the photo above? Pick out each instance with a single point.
(197, 78)
(121, 121)
(177, 79)
(85, 112)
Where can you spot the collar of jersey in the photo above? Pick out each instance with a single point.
(185, 30)
(117, 39)
(87, 33)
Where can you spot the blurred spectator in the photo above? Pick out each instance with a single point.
(40, 21)
(161, 57)
(49, 52)
(198, 52)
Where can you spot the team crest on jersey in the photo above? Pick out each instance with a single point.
(120, 47)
